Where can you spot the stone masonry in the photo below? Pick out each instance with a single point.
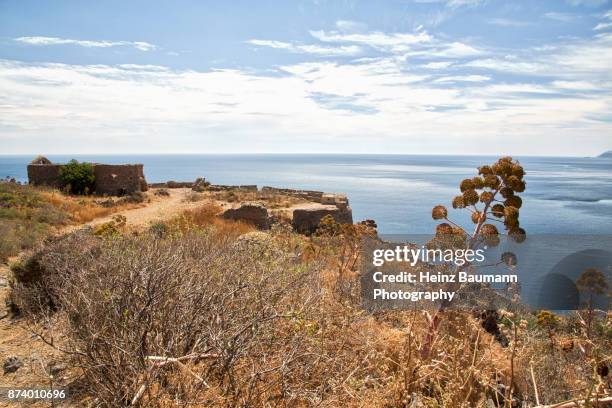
(110, 179)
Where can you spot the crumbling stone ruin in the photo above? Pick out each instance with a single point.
(306, 220)
(253, 213)
(110, 179)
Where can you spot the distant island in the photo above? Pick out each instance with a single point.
(606, 155)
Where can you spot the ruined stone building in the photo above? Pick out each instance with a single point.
(110, 179)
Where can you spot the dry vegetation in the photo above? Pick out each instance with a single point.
(206, 312)
(28, 214)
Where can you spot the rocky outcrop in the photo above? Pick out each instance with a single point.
(251, 213)
(306, 220)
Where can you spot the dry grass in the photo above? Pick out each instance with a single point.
(207, 215)
(84, 209)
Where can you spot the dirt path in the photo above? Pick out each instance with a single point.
(158, 208)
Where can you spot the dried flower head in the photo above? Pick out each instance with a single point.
(517, 170)
(492, 181)
(458, 202)
(511, 212)
(502, 168)
(459, 232)
(477, 216)
(514, 201)
(485, 170)
(486, 197)
(520, 186)
(518, 234)
(478, 182)
(444, 229)
(497, 210)
(489, 229)
(511, 222)
(490, 234)
(509, 258)
(439, 212)
(467, 184)
(470, 197)
(506, 192)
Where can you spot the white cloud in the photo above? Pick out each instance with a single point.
(44, 41)
(602, 26)
(373, 106)
(580, 59)
(419, 43)
(396, 42)
(345, 50)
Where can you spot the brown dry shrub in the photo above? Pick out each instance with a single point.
(206, 216)
(226, 304)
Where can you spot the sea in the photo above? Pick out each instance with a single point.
(564, 195)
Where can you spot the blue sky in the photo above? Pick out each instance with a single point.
(404, 76)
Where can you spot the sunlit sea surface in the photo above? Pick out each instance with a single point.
(564, 195)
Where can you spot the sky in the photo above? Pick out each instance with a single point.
(307, 76)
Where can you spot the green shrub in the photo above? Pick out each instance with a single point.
(78, 178)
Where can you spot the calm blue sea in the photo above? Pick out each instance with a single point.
(564, 195)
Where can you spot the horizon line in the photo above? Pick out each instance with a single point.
(299, 153)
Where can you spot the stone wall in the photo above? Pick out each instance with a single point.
(45, 175)
(110, 179)
(306, 220)
(252, 213)
(310, 195)
(119, 179)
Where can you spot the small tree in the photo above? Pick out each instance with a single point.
(591, 282)
(491, 197)
(77, 178)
